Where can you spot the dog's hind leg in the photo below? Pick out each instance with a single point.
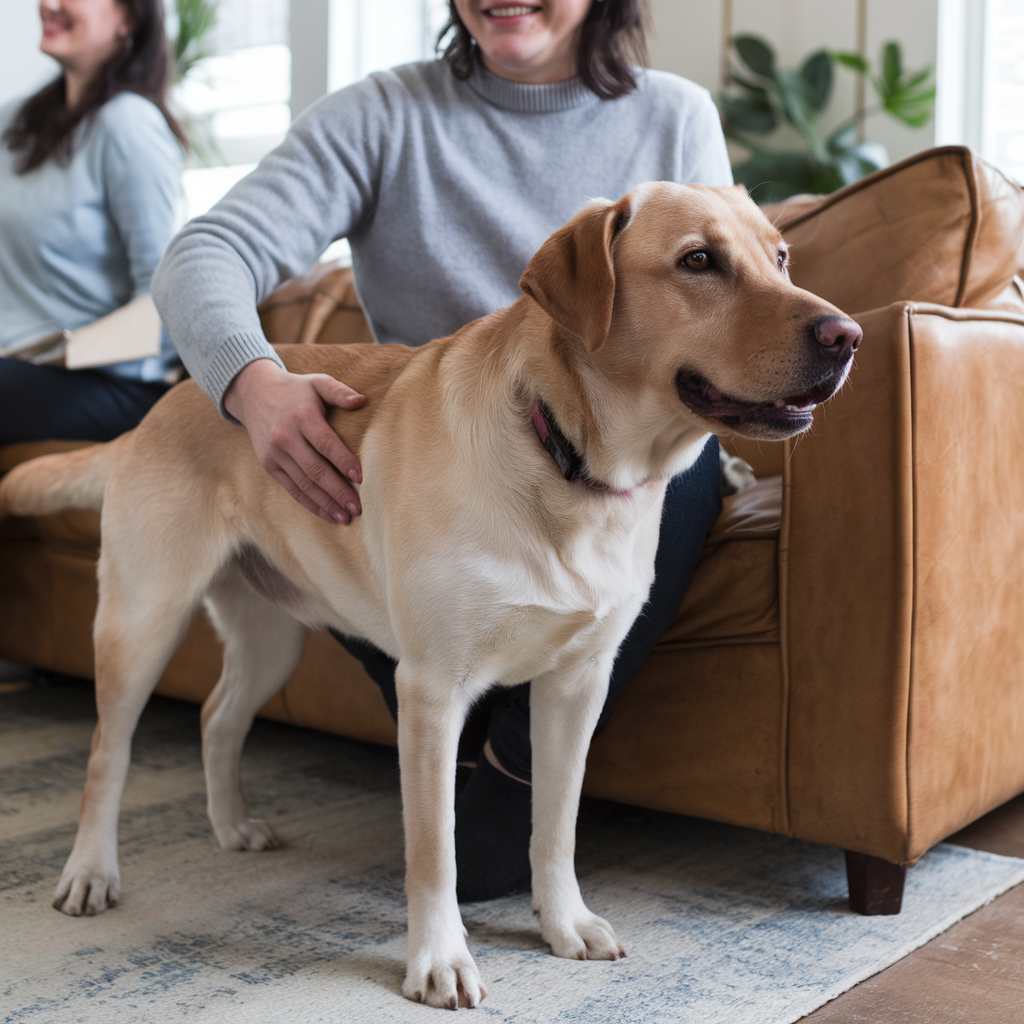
(144, 610)
(262, 645)
(431, 710)
(564, 709)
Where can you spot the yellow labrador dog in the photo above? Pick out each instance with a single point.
(514, 478)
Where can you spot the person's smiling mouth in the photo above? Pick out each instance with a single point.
(55, 22)
(508, 11)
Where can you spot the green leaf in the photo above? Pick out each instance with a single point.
(756, 54)
(911, 106)
(917, 78)
(817, 75)
(196, 19)
(892, 65)
(773, 175)
(842, 139)
(854, 61)
(754, 90)
(748, 115)
(796, 99)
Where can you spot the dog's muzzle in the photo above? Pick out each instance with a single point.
(830, 344)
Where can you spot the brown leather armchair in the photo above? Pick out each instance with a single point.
(847, 664)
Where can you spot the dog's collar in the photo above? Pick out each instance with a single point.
(561, 449)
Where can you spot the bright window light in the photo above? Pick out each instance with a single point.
(204, 186)
(252, 77)
(239, 98)
(1003, 131)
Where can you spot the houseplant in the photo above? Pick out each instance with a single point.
(788, 103)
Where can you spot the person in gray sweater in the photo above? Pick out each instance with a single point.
(445, 176)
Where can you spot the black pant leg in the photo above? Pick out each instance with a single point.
(40, 403)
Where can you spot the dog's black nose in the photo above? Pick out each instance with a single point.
(839, 336)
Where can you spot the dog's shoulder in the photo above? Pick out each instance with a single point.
(366, 368)
(369, 369)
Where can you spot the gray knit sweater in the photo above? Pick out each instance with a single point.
(444, 188)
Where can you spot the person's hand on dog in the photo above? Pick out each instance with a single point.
(284, 414)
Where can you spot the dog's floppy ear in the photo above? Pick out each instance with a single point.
(572, 276)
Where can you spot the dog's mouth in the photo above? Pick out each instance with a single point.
(780, 418)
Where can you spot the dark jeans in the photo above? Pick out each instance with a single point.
(692, 504)
(40, 403)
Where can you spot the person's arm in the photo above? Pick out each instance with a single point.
(141, 175)
(319, 185)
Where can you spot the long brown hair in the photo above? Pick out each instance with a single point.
(613, 38)
(45, 126)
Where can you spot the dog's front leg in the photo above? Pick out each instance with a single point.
(440, 970)
(564, 709)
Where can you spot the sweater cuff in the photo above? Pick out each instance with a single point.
(234, 354)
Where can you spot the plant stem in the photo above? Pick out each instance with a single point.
(726, 56)
(862, 48)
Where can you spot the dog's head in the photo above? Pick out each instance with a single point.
(683, 289)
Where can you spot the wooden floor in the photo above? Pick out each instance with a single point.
(971, 974)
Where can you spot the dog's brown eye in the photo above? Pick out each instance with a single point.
(698, 260)
(783, 258)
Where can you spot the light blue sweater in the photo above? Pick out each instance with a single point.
(444, 188)
(79, 241)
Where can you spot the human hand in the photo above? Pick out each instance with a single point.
(284, 414)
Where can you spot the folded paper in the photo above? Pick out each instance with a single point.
(131, 332)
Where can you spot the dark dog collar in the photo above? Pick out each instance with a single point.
(560, 448)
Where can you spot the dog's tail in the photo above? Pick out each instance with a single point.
(52, 483)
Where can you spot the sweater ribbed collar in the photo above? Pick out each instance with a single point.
(530, 99)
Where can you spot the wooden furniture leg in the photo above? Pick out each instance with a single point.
(876, 885)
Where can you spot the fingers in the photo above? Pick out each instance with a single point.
(334, 392)
(323, 457)
(307, 477)
(284, 414)
(297, 493)
(324, 440)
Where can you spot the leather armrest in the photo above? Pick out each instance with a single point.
(901, 599)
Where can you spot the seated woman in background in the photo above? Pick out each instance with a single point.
(89, 177)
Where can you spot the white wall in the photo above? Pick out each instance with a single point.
(689, 35)
(22, 67)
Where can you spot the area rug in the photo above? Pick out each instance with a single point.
(723, 925)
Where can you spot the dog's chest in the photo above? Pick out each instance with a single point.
(511, 611)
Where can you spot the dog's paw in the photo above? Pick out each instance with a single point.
(447, 982)
(251, 834)
(582, 936)
(87, 889)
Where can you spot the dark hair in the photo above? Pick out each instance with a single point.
(44, 127)
(613, 36)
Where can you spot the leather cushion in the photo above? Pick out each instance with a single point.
(320, 307)
(733, 597)
(943, 226)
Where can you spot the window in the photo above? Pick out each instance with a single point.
(980, 79)
(272, 59)
(1002, 136)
